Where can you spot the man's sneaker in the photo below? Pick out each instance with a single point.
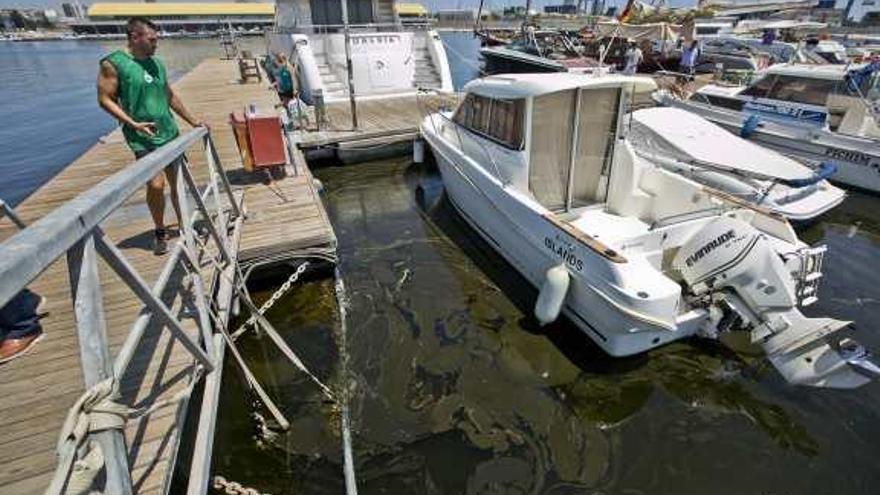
(13, 348)
(161, 245)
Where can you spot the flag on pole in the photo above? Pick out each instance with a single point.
(627, 11)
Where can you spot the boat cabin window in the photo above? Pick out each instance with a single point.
(330, 13)
(802, 90)
(761, 87)
(572, 143)
(497, 119)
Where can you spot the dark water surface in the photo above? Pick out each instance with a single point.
(455, 391)
(48, 107)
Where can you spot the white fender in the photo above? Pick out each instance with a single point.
(418, 151)
(552, 294)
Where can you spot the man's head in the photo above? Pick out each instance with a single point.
(142, 37)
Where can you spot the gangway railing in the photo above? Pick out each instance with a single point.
(6, 210)
(74, 230)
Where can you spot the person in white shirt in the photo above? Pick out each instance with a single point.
(634, 57)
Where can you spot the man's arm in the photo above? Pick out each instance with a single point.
(108, 85)
(181, 110)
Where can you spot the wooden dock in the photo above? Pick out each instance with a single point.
(379, 118)
(36, 390)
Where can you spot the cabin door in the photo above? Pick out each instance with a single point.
(330, 12)
(597, 117)
(572, 145)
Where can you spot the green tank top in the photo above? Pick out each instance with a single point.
(142, 95)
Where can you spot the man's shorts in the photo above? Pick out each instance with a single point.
(181, 160)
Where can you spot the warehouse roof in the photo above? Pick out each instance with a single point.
(182, 9)
(411, 9)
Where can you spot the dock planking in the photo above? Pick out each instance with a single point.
(37, 390)
(378, 118)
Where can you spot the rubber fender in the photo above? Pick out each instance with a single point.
(749, 125)
(552, 295)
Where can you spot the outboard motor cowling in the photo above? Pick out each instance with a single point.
(733, 270)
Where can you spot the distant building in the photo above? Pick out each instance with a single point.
(567, 9)
(456, 17)
(73, 10)
(6, 23)
(177, 17)
(411, 12)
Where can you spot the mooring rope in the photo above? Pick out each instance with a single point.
(345, 421)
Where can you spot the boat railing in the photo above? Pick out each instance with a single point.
(74, 231)
(356, 28)
(504, 181)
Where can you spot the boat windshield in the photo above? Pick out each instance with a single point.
(500, 120)
(809, 91)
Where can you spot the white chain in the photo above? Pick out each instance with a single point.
(285, 287)
(233, 488)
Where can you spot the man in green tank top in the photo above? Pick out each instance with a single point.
(133, 87)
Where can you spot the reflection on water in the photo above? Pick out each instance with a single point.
(457, 391)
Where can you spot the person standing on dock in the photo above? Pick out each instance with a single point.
(133, 87)
(284, 78)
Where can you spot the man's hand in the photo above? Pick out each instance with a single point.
(147, 128)
(201, 123)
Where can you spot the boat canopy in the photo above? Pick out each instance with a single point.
(638, 32)
(709, 144)
(528, 85)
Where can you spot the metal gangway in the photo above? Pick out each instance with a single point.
(94, 426)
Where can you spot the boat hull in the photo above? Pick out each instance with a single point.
(487, 208)
(506, 61)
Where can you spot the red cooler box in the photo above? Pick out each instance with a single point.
(266, 140)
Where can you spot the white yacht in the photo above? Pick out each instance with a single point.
(810, 112)
(633, 254)
(688, 144)
(388, 57)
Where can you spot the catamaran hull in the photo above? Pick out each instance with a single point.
(857, 159)
(526, 245)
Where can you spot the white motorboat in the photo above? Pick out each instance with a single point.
(814, 113)
(633, 254)
(388, 57)
(704, 152)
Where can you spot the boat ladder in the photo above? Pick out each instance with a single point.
(809, 273)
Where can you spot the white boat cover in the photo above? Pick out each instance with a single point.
(704, 141)
(638, 32)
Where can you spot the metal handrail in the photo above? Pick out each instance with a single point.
(28, 253)
(7, 210)
(503, 180)
(323, 28)
(74, 230)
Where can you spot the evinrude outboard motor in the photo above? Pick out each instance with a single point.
(733, 270)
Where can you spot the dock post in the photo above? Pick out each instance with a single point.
(320, 110)
(351, 99)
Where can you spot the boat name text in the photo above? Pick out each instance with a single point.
(851, 156)
(565, 251)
